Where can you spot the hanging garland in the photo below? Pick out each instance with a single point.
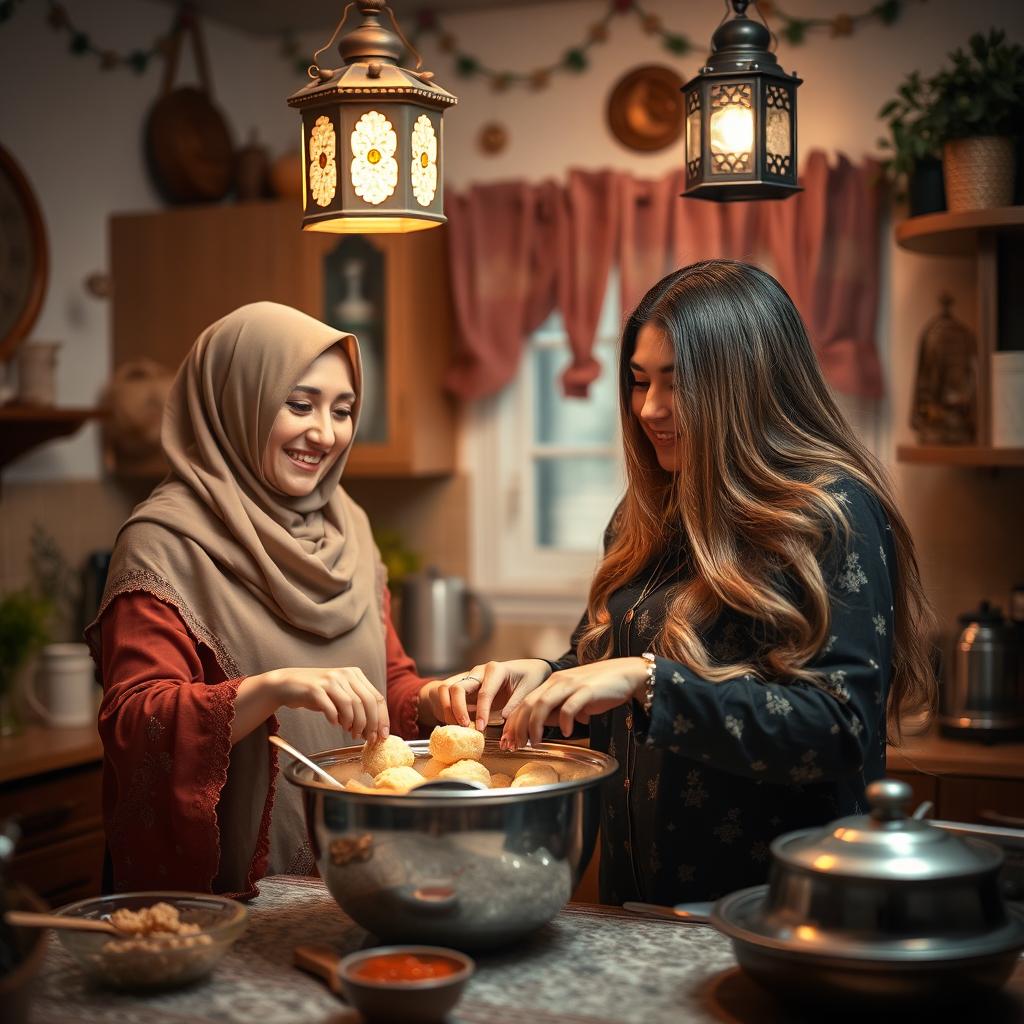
(794, 30)
(575, 59)
(80, 44)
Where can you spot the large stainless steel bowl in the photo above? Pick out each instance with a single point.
(471, 870)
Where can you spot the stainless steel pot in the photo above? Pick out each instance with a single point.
(879, 907)
(471, 870)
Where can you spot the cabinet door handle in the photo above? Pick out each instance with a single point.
(997, 818)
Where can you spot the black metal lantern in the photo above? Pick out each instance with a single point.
(371, 135)
(741, 117)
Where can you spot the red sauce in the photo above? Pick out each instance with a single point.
(405, 967)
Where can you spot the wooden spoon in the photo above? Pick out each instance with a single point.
(288, 748)
(30, 919)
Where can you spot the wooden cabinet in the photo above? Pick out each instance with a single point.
(965, 781)
(51, 784)
(177, 271)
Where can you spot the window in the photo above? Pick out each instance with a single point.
(548, 474)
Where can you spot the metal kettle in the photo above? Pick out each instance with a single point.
(437, 616)
(984, 695)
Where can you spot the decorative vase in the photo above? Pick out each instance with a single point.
(925, 192)
(252, 170)
(979, 172)
(37, 373)
(286, 176)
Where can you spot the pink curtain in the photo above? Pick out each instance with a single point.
(519, 251)
(586, 250)
(503, 252)
(645, 234)
(824, 247)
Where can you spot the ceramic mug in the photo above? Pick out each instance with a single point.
(63, 692)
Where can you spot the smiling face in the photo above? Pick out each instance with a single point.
(653, 393)
(312, 428)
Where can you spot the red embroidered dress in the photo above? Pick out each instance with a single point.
(165, 722)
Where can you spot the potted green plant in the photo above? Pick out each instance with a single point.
(913, 149)
(977, 108)
(24, 628)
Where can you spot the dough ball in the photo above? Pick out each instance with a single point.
(534, 773)
(398, 779)
(361, 782)
(451, 743)
(391, 752)
(471, 771)
(431, 768)
(499, 781)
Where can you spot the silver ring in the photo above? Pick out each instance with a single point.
(474, 678)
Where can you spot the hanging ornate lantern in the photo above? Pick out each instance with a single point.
(371, 135)
(741, 117)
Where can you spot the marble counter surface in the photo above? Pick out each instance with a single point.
(591, 965)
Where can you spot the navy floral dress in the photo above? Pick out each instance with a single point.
(718, 770)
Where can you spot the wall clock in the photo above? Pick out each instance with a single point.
(23, 256)
(645, 108)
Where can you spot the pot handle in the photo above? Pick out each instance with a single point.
(32, 699)
(485, 620)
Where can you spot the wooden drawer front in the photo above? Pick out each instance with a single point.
(988, 801)
(63, 872)
(55, 806)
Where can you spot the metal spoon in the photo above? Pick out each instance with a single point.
(30, 919)
(288, 748)
(692, 913)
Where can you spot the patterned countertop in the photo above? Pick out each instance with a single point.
(591, 965)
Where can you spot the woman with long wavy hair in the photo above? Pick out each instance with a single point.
(757, 627)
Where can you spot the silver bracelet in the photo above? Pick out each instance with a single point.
(647, 701)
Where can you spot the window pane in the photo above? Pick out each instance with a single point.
(576, 421)
(575, 499)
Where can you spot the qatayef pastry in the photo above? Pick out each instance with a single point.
(451, 743)
(391, 752)
(534, 773)
(471, 771)
(499, 781)
(399, 779)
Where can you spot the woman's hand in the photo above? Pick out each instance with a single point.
(344, 696)
(573, 695)
(492, 685)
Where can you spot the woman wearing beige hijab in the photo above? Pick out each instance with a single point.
(245, 597)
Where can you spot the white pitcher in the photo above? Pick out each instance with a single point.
(63, 692)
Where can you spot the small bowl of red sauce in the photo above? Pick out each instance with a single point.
(414, 984)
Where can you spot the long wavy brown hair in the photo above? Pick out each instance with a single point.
(760, 439)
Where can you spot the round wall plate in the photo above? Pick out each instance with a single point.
(23, 256)
(645, 108)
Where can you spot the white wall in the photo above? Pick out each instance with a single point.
(77, 131)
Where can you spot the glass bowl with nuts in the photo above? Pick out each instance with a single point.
(163, 939)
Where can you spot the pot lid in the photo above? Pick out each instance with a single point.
(886, 844)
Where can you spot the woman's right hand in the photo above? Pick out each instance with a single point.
(496, 684)
(344, 696)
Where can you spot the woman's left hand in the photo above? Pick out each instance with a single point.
(573, 695)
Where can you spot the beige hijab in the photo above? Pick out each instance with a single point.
(264, 580)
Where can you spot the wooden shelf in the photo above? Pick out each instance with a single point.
(955, 234)
(960, 455)
(22, 427)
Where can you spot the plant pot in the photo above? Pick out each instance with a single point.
(979, 172)
(925, 191)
